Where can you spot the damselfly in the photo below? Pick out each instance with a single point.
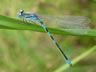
(65, 23)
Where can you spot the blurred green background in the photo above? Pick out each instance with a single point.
(29, 51)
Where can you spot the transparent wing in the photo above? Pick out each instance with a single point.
(68, 23)
(78, 22)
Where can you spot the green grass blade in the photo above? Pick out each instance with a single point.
(13, 24)
(83, 55)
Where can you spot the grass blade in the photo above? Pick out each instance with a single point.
(83, 55)
(13, 24)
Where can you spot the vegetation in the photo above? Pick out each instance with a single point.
(27, 48)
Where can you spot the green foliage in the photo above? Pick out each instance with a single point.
(9, 23)
(26, 47)
(77, 59)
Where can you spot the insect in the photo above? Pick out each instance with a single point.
(69, 22)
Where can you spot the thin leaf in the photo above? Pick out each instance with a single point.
(83, 55)
(13, 24)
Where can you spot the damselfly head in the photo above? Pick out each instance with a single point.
(20, 13)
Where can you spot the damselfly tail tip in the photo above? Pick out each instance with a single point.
(68, 61)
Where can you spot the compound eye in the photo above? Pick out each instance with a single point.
(21, 11)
